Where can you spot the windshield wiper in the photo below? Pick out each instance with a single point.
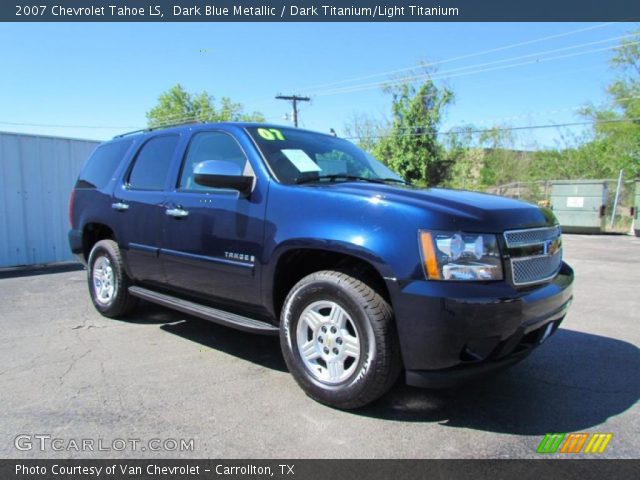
(342, 176)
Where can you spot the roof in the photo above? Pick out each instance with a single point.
(204, 125)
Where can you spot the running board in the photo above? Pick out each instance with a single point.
(208, 313)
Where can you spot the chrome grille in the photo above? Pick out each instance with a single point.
(535, 269)
(534, 236)
(530, 269)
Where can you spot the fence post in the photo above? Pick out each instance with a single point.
(615, 201)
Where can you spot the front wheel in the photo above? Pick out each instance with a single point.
(108, 282)
(338, 340)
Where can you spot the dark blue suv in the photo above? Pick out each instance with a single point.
(283, 231)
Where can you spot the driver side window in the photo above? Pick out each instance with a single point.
(209, 146)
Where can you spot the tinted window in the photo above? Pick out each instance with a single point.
(209, 146)
(102, 164)
(152, 164)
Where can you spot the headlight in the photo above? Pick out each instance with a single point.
(460, 256)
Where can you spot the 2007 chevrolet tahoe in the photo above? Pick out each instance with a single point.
(283, 231)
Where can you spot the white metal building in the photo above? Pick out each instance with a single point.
(37, 174)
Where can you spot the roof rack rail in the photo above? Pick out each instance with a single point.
(158, 127)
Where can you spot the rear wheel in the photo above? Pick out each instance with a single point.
(338, 339)
(108, 282)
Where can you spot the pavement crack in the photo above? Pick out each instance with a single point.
(73, 363)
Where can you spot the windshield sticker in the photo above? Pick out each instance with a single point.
(270, 134)
(301, 161)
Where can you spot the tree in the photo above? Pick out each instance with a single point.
(617, 127)
(502, 162)
(412, 147)
(465, 158)
(176, 105)
(365, 130)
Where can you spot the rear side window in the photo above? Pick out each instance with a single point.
(152, 164)
(102, 164)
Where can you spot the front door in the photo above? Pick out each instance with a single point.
(213, 237)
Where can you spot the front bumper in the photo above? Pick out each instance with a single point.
(452, 332)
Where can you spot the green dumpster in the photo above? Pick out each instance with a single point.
(579, 205)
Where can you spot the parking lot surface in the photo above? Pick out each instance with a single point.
(70, 374)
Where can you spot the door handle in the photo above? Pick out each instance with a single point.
(176, 212)
(120, 206)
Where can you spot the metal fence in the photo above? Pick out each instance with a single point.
(37, 174)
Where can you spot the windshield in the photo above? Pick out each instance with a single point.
(297, 156)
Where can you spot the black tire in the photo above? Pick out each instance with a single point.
(379, 362)
(120, 302)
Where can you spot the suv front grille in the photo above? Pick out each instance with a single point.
(541, 266)
(534, 236)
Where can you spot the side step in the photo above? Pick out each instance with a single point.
(208, 313)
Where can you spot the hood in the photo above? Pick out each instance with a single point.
(452, 209)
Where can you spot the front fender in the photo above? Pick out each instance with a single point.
(381, 233)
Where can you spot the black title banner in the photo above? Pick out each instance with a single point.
(317, 469)
(319, 11)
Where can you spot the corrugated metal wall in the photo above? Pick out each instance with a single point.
(37, 174)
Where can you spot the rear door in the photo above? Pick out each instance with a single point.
(213, 238)
(139, 200)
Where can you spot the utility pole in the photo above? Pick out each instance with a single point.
(294, 101)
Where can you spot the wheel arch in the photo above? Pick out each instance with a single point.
(296, 262)
(92, 233)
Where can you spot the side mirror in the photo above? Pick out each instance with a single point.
(222, 174)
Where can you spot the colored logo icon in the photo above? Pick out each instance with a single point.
(574, 443)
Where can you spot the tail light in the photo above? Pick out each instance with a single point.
(603, 209)
(72, 198)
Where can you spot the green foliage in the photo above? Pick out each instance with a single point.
(502, 163)
(616, 143)
(466, 160)
(411, 146)
(176, 105)
(410, 143)
(613, 144)
(365, 130)
(595, 159)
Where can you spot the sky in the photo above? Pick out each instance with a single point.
(96, 80)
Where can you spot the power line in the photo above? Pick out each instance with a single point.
(552, 111)
(500, 129)
(186, 118)
(445, 74)
(61, 126)
(449, 132)
(194, 116)
(462, 57)
(173, 120)
(480, 67)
